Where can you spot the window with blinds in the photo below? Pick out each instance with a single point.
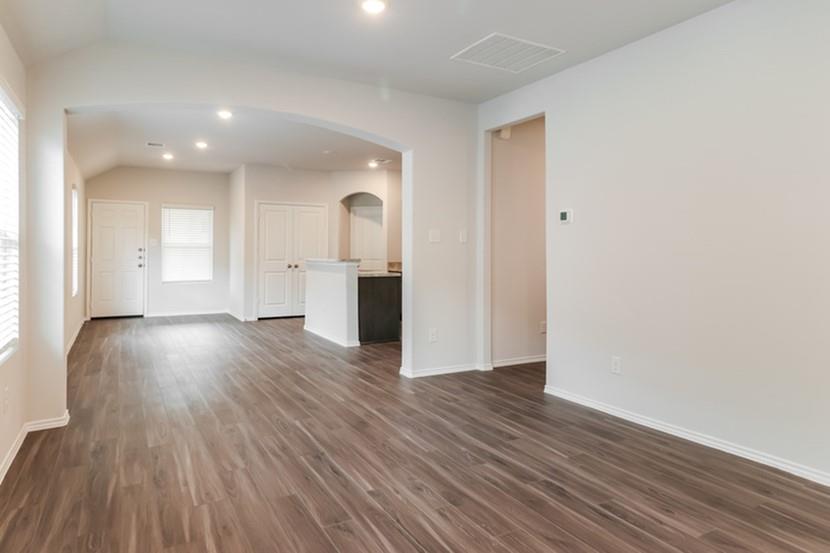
(9, 241)
(75, 253)
(186, 244)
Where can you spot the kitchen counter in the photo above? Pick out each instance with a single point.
(378, 275)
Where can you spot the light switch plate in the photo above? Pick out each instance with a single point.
(462, 236)
(434, 236)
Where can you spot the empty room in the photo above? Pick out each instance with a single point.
(421, 276)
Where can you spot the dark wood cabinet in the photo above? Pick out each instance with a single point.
(379, 308)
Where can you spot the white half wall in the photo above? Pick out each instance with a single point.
(517, 230)
(696, 162)
(158, 187)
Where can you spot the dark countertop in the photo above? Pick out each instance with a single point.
(378, 275)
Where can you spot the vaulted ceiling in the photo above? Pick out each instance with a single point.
(408, 47)
(101, 140)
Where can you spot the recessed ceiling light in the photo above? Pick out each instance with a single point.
(224, 114)
(202, 145)
(375, 7)
(374, 164)
(168, 156)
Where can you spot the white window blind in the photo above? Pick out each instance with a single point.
(186, 244)
(75, 255)
(9, 241)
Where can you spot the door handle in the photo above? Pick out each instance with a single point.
(140, 265)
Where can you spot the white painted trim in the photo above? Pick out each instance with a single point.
(791, 467)
(33, 426)
(338, 342)
(408, 373)
(520, 360)
(12, 453)
(186, 314)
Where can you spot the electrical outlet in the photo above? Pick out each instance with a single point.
(543, 327)
(616, 365)
(433, 335)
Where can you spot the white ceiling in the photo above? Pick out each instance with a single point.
(408, 47)
(101, 140)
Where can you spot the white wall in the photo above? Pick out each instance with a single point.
(74, 306)
(697, 164)
(159, 187)
(518, 244)
(12, 369)
(393, 198)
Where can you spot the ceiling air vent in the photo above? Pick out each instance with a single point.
(155, 145)
(507, 53)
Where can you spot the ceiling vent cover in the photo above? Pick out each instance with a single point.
(507, 53)
(155, 145)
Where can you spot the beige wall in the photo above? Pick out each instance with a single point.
(518, 242)
(74, 306)
(395, 201)
(696, 162)
(158, 187)
(14, 382)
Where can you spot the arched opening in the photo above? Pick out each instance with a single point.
(192, 136)
(364, 232)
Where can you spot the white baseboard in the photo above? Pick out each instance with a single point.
(185, 314)
(520, 360)
(346, 344)
(33, 426)
(422, 373)
(791, 467)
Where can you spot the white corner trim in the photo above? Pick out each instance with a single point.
(32, 426)
(520, 360)
(791, 467)
(422, 373)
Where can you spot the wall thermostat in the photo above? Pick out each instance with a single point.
(566, 217)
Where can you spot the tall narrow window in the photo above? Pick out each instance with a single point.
(186, 244)
(9, 241)
(75, 253)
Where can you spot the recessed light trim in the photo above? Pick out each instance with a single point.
(201, 144)
(168, 156)
(375, 7)
(374, 164)
(224, 114)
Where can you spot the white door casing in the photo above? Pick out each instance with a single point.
(368, 239)
(118, 259)
(287, 236)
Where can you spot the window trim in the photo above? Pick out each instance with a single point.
(75, 241)
(10, 102)
(195, 207)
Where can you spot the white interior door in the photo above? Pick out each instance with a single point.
(310, 242)
(288, 235)
(276, 258)
(368, 241)
(118, 260)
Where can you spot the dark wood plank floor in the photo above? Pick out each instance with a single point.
(205, 434)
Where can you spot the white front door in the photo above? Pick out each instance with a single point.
(288, 235)
(368, 242)
(118, 260)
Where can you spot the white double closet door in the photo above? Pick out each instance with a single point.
(287, 236)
